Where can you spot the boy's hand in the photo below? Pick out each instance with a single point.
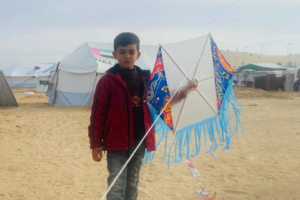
(97, 154)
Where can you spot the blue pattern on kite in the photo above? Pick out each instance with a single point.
(222, 75)
(158, 92)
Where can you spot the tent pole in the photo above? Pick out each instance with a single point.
(56, 74)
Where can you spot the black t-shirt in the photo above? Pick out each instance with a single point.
(134, 84)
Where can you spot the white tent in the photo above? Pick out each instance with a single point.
(75, 77)
(291, 78)
(25, 75)
(7, 98)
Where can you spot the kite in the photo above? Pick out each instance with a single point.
(198, 69)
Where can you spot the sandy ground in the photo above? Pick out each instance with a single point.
(45, 155)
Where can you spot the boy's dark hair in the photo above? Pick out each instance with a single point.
(124, 39)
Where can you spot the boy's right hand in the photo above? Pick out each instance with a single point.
(97, 154)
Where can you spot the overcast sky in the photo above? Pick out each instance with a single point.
(42, 31)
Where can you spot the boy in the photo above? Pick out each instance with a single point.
(120, 118)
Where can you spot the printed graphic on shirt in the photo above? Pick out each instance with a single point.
(136, 101)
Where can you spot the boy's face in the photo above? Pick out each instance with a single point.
(127, 56)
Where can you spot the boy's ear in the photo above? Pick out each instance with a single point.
(138, 55)
(114, 54)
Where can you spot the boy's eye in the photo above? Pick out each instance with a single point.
(132, 52)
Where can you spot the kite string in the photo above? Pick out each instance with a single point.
(109, 188)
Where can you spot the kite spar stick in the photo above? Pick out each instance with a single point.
(197, 82)
(207, 102)
(109, 188)
(206, 79)
(203, 80)
(200, 57)
(174, 62)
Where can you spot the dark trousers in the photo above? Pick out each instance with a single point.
(126, 186)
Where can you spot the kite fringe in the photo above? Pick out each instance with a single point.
(215, 131)
(148, 158)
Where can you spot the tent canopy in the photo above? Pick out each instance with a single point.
(263, 67)
(28, 70)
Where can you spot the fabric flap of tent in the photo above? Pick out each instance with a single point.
(7, 98)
